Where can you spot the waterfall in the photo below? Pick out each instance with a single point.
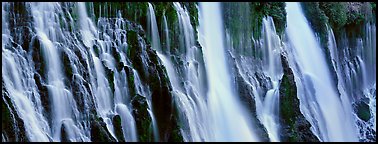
(128, 72)
(267, 108)
(64, 108)
(166, 33)
(21, 86)
(22, 90)
(153, 28)
(191, 101)
(363, 69)
(228, 121)
(320, 102)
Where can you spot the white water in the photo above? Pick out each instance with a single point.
(21, 94)
(166, 34)
(21, 86)
(363, 71)
(189, 96)
(268, 107)
(64, 109)
(197, 123)
(143, 91)
(51, 27)
(228, 121)
(320, 101)
(153, 28)
(103, 93)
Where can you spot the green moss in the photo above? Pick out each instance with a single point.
(373, 7)
(118, 128)
(243, 20)
(110, 76)
(142, 118)
(132, 78)
(348, 16)
(193, 12)
(288, 100)
(133, 11)
(318, 20)
(274, 9)
(336, 13)
(356, 18)
(287, 107)
(363, 111)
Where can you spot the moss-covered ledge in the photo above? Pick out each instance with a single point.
(341, 16)
(248, 17)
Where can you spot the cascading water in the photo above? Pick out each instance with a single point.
(63, 105)
(227, 119)
(153, 28)
(189, 97)
(349, 68)
(21, 86)
(54, 40)
(89, 72)
(266, 100)
(267, 108)
(328, 113)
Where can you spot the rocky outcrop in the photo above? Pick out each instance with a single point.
(118, 128)
(151, 71)
(13, 128)
(99, 132)
(294, 126)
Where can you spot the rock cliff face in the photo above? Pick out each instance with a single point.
(295, 127)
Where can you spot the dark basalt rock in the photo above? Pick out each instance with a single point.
(79, 91)
(67, 69)
(118, 128)
(142, 118)
(63, 134)
(247, 99)
(294, 126)
(362, 110)
(146, 62)
(12, 125)
(20, 23)
(37, 55)
(44, 96)
(99, 132)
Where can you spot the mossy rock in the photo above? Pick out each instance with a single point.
(294, 126)
(317, 19)
(363, 111)
(99, 132)
(109, 74)
(118, 128)
(142, 118)
(336, 13)
(96, 50)
(191, 7)
(12, 125)
(37, 55)
(130, 80)
(134, 52)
